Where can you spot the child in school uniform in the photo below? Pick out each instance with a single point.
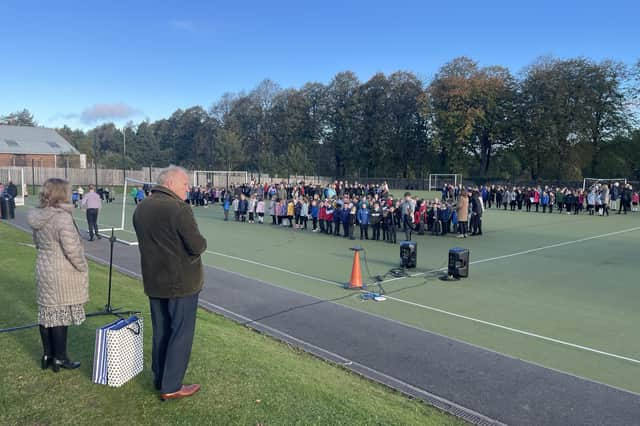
(376, 216)
(235, 204)
(315, 211)
(346, 212)
(328, 218)
(225, 208)
(591, 202)
(353, 211)
(260, 210)
(322, 215)
(252, 203)
(297, 210)
(391, 225)
(291, 207)
(272, 210)
(363, 219)
(384, 216)
(397, 215)
(283, 213)
(243, 207)
(304, 213)
(337, 218)
(544, 200)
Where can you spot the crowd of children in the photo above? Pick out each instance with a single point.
(349, 211)
(599, 199)
(339, 208)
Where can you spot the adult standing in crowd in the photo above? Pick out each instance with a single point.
(408, 208)
(12, 190)
(170, 246)
(625, 199)
(62, 278)
(615, 196)
(463, 214)
(93, 205)
(476, 213)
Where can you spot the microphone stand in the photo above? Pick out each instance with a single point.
(108, 309)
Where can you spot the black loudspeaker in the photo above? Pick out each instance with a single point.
(458, 262)
(408, 254)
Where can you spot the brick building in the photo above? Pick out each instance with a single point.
(23, 146)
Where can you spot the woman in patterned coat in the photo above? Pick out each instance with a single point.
(61, 272)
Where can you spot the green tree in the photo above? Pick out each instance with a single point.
(408, 129)
(19, 118)
(376, 125)
(473, 111)
(342, 122)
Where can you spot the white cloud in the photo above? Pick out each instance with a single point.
(117, 111)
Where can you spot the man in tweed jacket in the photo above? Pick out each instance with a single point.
(170, 247)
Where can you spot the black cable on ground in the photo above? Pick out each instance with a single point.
(400, 272)
(18, 328)
(28, 326)
(379, 279)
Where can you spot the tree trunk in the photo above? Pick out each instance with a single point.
(485, 155)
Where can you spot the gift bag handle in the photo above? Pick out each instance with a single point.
(136, 332)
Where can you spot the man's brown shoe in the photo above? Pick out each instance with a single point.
(185, 391)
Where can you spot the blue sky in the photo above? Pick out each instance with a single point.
(84, 63)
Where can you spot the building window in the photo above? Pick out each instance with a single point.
(11, 142)
(53, 144)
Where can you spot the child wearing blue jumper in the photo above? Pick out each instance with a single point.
(226, 207)
(314, 215)
(363, 219)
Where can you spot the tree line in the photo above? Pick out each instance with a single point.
(558, 119)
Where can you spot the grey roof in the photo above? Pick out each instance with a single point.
(33, 140)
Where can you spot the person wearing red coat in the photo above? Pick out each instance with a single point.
(322, 216)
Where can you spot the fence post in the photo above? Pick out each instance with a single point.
(33, 177)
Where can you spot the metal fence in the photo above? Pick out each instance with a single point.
(103, 177)
(115, 177)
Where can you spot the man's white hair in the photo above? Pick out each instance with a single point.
(167, 174)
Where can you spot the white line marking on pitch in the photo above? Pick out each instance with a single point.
(519, 253)
(276, 268)
(453, 314)
(566, 243)
(515, 330)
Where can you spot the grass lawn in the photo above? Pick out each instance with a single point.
(247, 378)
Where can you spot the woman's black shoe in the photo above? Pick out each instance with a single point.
(64, 363)
(46, 362)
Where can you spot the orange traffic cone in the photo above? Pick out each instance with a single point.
(356, 274)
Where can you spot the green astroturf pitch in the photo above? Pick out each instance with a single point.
(558, 290)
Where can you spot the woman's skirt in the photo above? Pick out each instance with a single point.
(59, 316)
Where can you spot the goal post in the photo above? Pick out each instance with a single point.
(436, 180)
(590, 182)
(219, 178)
(15, 175)
(126, 198)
